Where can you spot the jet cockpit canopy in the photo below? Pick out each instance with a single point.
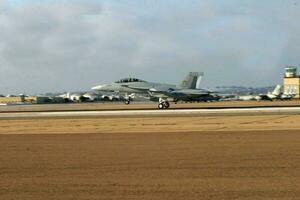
(129, 80)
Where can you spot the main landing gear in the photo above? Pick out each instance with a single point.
(163, 105)
(128, 98)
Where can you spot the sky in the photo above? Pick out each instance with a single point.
(56, 46)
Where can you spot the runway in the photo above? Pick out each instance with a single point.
(169, 112)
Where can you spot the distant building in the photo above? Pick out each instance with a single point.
(43, 99)
(291, 81)
(12, 100)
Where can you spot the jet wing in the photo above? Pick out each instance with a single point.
(152, 91)
(175, 93)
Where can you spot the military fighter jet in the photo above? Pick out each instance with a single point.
(134, 85)
(186, 92)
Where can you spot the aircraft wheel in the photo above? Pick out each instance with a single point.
(127, 102)
(166, 104)
(161, 106)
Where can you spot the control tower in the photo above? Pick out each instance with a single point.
(290, 71)
(291, 81)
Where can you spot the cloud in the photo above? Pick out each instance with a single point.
(62, 45)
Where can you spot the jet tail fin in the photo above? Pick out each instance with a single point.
(191, 81)
(277, 90)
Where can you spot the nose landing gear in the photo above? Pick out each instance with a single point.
(163, 105)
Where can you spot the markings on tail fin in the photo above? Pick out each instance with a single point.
(199, 81)
(191, 80)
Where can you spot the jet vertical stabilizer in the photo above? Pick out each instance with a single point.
(191, 81)
(277, 90)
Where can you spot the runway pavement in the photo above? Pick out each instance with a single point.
(168, 112)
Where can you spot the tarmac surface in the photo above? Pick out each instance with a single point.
(106, 106)
(240, 156)
(164, 112)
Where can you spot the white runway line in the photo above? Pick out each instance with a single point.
(170, 112)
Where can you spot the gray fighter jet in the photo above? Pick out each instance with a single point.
(134, 85)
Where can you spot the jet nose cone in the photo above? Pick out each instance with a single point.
(98, 87)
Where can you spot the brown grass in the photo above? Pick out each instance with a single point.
(148, 124)
(233, 157)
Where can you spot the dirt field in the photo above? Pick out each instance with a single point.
(112, 125)
(224, 157)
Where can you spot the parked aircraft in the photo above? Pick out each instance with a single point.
(276, 94)
(287, 96)
(134, 85)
